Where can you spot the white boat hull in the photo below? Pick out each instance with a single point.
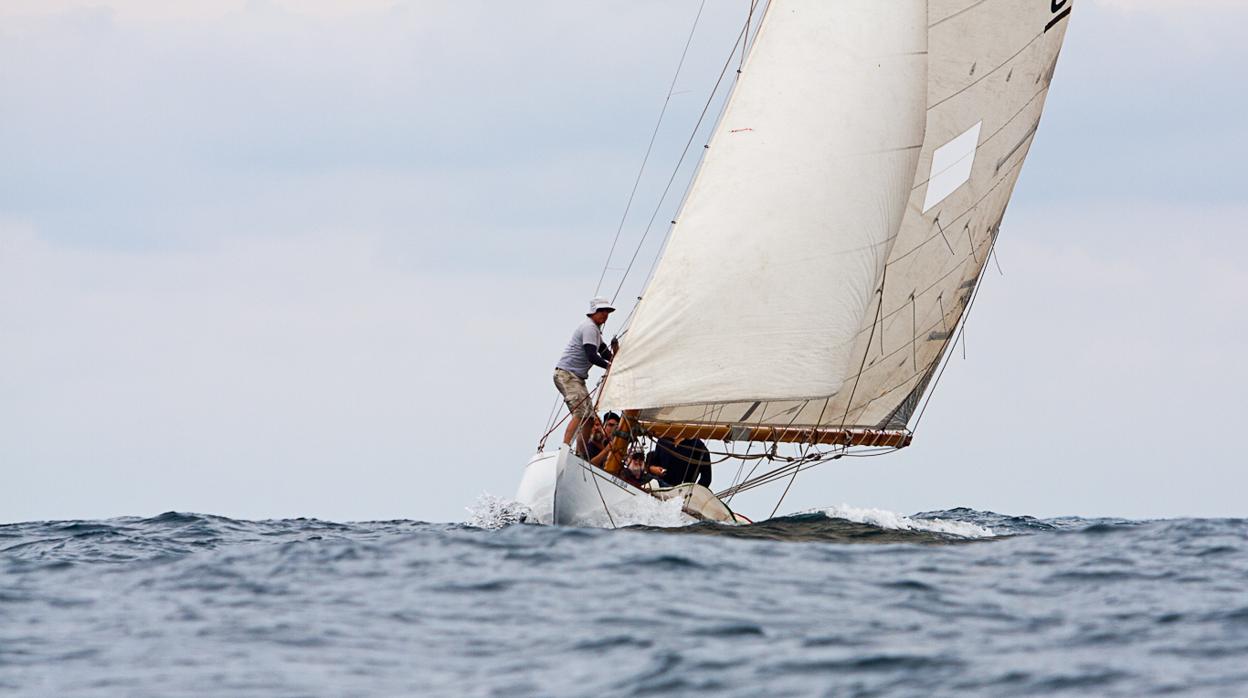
(562, 489)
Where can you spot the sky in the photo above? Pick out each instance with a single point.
(266, 258)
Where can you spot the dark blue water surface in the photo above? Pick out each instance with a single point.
(815, 604)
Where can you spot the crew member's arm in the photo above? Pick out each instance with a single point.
(593, 355)
(601, 456)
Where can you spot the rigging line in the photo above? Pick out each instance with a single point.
(689, 187)
(749, 445)
(914, 332)
(550, 425)
(542, 443)
(784, 469)
(795, 467)
(942, 233)
(878, 309)
(684, 153)
(654, 135)
(764, 479)
(961, 330)
(745, 45)
(598, 487)
(900, 348)
(928, 367)
(806, 448)
(781, 471)
(751, 483)
(762, 414)
(923, 292)
(941, 300)
(719, 415)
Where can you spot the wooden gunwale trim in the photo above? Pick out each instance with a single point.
(719, 432)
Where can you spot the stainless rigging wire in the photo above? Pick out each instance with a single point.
(741, 38)
(663, 112)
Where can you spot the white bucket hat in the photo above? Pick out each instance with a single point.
(600, 303)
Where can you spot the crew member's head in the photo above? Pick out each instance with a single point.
(599, 309)
(610, 422)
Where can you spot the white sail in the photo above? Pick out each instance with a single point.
(990, 65)
(773, 262)
(800, 286)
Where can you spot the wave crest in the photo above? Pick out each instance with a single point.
(882, 518)
(490, 512)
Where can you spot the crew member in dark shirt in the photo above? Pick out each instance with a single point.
(695, 453)
(688, 461)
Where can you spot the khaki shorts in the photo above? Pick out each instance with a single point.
(574, 393)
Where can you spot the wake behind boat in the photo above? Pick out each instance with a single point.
(823, 262)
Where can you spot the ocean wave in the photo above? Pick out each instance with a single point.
(806, 604)
(891, 520)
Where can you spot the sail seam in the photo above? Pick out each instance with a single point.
(896, 386)
(1000, 181)
(959, 13)
(927, 328)
(986, 75)
(863, 371)
(889, 315)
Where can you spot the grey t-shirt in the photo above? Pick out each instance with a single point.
(573, 360)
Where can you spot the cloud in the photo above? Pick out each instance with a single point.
(1171, 8)
(157, 11)
(263, 377)
(411, 116)
(257, 260)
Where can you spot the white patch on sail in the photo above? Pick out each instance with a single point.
(901, 522)
(951, 166)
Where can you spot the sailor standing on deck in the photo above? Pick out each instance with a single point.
(584, 350)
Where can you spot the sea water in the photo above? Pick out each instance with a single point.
(839, 602)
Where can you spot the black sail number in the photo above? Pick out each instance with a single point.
(1061, 10)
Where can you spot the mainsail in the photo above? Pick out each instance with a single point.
(842, 216)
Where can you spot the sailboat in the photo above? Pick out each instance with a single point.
(828, 249)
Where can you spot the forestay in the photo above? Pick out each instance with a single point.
(843, 214)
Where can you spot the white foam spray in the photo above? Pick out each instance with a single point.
(643, 511)
(901, 522)
(492, 512)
